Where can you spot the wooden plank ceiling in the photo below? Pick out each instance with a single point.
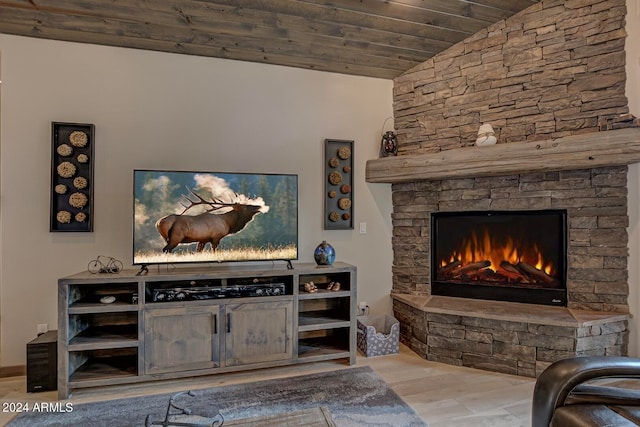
(375, 38)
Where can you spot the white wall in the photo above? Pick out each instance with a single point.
(632, 90)
(156, 110)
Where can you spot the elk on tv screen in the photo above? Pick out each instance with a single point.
(187, 217)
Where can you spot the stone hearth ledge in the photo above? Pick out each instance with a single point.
(512, 338)
(510, 311)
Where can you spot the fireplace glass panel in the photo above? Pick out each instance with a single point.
(517, 256)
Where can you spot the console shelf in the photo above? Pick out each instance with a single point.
(313, 320)
(86, 308)
(323, 344)
(114, 369)
(323, 294)
(96, 338)
(195, 321)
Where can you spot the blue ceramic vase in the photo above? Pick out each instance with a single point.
(324, 254)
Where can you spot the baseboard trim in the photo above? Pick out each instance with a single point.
(13, 371)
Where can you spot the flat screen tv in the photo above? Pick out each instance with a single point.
(190, 217)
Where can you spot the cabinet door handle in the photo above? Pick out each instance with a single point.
(228, 322)
(215, 324)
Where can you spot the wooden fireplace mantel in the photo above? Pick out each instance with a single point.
(598, 149)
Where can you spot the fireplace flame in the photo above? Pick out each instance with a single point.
(482, 247)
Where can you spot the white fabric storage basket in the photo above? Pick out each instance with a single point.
(378, 335)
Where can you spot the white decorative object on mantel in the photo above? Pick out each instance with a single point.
(486, 136)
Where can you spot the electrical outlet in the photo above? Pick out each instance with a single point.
(43, 328)
(363, 228)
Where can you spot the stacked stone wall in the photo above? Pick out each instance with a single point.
(596, 204)
(554, 69)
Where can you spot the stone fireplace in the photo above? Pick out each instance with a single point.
(513, 337)
(551, 82)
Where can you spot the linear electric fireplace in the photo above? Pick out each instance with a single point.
(517, 256)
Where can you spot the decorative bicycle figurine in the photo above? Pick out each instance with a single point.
(179, 415)
(104, 264)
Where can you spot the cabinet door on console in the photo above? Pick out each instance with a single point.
(181, 339)
(258, 332)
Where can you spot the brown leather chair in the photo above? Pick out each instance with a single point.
(563, 397)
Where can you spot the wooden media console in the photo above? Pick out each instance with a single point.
(174, 323)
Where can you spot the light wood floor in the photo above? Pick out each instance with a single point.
(442, 395)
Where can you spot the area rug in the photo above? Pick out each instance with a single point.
(354, 396)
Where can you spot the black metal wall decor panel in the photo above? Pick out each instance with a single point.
(72, 148)
(338, 183)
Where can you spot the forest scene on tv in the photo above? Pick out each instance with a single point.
(184, 217)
